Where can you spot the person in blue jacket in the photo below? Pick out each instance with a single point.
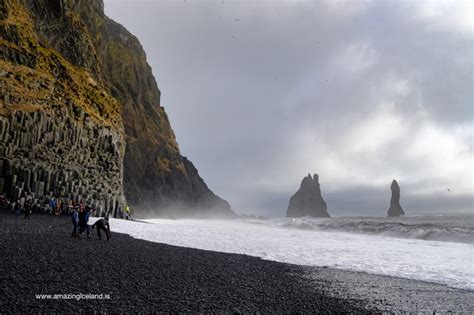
(52, 205)
(17, 208)
(75, 221)
(85, 219)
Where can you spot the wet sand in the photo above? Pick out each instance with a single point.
(40, 257)
(390, 294)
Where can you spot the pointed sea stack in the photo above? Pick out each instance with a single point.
(395, 208)
(307, 201)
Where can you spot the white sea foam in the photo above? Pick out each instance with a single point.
(447, 263)
(458, 229)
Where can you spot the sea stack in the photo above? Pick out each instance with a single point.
(307, 201)
(395, 208)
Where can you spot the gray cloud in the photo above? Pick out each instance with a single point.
(261, 93)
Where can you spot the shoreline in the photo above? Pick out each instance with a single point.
(40, 257)
(386, 293)
(392, 294)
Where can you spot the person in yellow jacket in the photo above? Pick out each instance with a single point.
(128, 216)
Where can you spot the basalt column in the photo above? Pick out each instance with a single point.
(43, 156)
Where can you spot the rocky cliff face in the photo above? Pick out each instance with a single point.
(395, 209)
(47, 155)
(307, 201)
(61, 132)
(66, 59)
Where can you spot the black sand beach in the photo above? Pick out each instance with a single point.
(40, 257)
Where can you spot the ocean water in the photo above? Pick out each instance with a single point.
(457, 228)
(434, 249)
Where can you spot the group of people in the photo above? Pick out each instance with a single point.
(80, 213)
(80, 219)
(18, 207)
(57, 207)
(26, 208)
(52, 205)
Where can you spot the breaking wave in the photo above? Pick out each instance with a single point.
(313, 242)
(458, 229)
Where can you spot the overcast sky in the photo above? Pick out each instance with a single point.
(261, 93)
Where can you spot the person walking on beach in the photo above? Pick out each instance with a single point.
(86, 213)
(75, 221)
(52, 205)
(102, 224)
(28, 206)
(5, 204)
(81, 214)
(27, 213)
(128, 216)
(58, 207)
(17, 208)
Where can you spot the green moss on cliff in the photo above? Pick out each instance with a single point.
(67, 55)
(37, 77)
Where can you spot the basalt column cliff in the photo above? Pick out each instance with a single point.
(81, 113)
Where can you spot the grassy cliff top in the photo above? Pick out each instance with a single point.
(36, 77)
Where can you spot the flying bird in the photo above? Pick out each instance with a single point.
(449, 189)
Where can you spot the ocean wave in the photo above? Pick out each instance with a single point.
(459, 230)
(285, 240)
